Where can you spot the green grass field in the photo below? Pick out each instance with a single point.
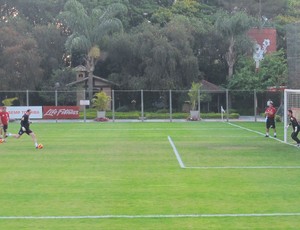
(146, 175)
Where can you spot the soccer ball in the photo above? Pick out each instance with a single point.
(40, 146)
(1, 141)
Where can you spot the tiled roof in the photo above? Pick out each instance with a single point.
(206, 85)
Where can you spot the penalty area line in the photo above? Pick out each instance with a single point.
(176, 153)
(243, 167)
(230, 167)
(150, 216)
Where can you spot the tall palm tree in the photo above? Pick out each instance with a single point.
(87, 28)
(232, 27)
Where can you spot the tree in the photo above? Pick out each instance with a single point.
(255, 8)
(151, 57)
(273, 70)
(188, 8)
(36, 12)
(272, 73)
(58, 81)
(51, 48)
(19, 61)
(194, 94)
(232, 28)
(137, 60)
(87, 30)
(293, 9)
(245, 77)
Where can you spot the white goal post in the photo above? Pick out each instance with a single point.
(291, 101)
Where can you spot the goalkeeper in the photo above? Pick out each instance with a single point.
(270, 118)
(296, 127)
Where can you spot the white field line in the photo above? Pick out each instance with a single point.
(232, 167)
(260, 133)
(150, 216)
(243, 167)
(176, 153)
(147, 129)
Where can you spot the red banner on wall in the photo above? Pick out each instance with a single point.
(260, 35)
(60, 112)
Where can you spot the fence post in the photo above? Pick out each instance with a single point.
(56, 86)
(227, 105)
(170, 104)
(84, 107)
(142, 104)
(113, 105)
(55, 97)
(199, 101)
(255, 106)
(56, 102)
(27, 97)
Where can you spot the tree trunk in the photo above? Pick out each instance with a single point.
(90, 85)
(230, 57)
(90, 66)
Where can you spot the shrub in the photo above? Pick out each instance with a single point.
(100, 101)
(124, 108)
(278, 118)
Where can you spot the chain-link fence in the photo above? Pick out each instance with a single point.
(167, 103)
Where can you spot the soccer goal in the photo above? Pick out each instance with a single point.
(291, 101)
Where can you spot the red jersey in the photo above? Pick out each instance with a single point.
(4, 117)
(270, 112)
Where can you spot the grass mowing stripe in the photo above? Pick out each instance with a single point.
(230, 167)
(151, 216)
(118, 176)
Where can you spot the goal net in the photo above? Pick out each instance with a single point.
(291, 101)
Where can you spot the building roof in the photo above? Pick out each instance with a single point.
(206, 85)
(80, 68)
(94, 78)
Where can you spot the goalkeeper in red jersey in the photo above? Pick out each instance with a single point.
(270, 118)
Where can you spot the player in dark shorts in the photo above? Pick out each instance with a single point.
(270, 119)
(25, 123)
(295, 125)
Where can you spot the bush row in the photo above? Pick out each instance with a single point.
(91, 114)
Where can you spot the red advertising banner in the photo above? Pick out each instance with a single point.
(60, 112)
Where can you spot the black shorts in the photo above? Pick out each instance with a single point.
(28, 131)
(5, 127)
(270, 123)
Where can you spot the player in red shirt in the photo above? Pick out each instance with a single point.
(270, 118)
(4, 116)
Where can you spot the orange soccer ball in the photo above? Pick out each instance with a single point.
(40, 146)
(1, 141)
